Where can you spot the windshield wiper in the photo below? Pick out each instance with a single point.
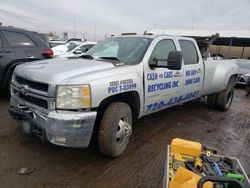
(110, 58)
(87, 56)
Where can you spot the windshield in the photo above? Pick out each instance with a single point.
(128, 50)
(244, 65)
(71, 45)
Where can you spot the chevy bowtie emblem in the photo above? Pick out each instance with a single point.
(24, 90)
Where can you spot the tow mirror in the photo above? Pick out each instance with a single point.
(174, 60)
(78, 52)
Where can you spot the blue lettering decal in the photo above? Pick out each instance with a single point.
(175, 84)
(189, 81)
(172, 101)
(168, 74)
(113, 89)
(152, 76)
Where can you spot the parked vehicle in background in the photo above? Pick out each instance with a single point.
(44, 37)
(62, 49)
(18, 46)
(117, 81)
(54, 43)
(79, 50)
(74, 39)
(244, 66)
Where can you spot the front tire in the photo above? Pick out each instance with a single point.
(115, 129)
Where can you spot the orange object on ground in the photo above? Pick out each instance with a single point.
(187, 179)
(185, 147)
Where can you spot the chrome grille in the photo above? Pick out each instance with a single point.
(32, 84)
(36, 101)
(240, 79)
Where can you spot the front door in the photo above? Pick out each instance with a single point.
(161, 84)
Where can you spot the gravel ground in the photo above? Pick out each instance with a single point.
(142, 165)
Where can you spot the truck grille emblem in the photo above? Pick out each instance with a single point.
(24, 90)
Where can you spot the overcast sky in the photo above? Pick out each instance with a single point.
(117, 16)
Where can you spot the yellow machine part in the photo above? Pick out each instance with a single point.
(187, 179)
(185, 147)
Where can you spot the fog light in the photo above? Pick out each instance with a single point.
(76, 126)
(59, 139)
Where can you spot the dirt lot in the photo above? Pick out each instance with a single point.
(143, 163)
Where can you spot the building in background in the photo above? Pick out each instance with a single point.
(231, 44)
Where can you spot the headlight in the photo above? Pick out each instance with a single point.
(73, 97)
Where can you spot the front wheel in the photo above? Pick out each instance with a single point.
(115, 129)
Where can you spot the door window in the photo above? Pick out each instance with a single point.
(18, 39)
(163, 48)
(189, 52)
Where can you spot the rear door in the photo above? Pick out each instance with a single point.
(193, 69)
(23, 45)
(7, 54)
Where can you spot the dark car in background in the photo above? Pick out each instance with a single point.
(18, 46)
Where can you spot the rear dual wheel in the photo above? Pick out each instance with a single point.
(225, 98)
(221, 100)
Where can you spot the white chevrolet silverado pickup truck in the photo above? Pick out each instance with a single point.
(116, 82)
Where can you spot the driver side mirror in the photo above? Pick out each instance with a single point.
(174, 61)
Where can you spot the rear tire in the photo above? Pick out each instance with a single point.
(247, 91)
(115, 129)
(211, 100)
(225, 98)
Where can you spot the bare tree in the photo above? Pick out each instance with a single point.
(65, 35)
(50, 34)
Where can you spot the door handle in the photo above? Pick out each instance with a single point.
(198, 70)
(5, 51)
(177, 74)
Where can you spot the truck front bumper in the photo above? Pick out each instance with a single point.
(64, 128)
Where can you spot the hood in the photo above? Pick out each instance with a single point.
(244, 71)
(61, 70)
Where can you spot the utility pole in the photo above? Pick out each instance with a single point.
(84, 35)
(95, 31)
(74, 28)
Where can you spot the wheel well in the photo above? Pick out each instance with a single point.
(8, 76)
(10, 68)
(131, 98)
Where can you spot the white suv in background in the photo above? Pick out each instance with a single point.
(79, 50)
